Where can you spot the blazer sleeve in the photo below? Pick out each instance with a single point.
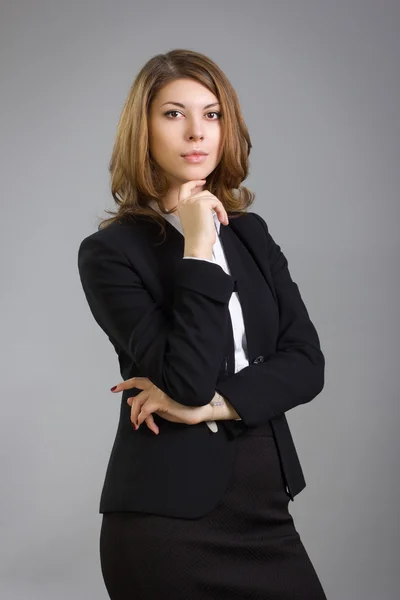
(180, 348)
(294, 374)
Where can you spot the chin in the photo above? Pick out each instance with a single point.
(196, 172)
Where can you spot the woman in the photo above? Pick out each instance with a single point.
(214, 345)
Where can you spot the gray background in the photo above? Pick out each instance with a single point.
(319, 87)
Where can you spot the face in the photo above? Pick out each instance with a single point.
(175, 130)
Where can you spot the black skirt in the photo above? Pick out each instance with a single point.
(247, 547)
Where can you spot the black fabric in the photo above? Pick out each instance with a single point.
(168, 319)
(246, 547)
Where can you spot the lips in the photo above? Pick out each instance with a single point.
(195, 158)
(194, 153)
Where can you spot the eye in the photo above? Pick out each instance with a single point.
(169, 112)
(215, 113)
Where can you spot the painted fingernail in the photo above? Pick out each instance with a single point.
(114, 388)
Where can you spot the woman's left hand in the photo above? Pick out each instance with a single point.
(153, 400)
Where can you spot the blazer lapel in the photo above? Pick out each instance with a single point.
(259, 308)
(251, 283)
(244, 286)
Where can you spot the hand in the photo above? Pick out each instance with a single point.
(153, 400)
(195, 213)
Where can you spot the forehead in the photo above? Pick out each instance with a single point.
(189, 92)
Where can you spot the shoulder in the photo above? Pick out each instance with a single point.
(249, 221)
(115, 236)
(252, 229)
(104, 236)
(112, 244)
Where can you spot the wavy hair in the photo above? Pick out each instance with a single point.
(136, 178)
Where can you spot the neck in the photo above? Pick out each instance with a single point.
(170, 200)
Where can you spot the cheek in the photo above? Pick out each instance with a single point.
(219, 140)
(160, 139)
(157, 146)
(216, 142)
(162, 152)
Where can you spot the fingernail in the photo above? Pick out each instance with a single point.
(114, 388)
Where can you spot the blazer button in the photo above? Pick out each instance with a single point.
(259, 359)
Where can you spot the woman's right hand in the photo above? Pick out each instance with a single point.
(195, 213)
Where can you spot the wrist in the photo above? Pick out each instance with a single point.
(209, 412)
(222, 409)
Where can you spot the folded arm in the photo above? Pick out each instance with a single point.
(294, 374)
(168, 346)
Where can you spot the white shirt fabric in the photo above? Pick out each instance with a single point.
(235, 309)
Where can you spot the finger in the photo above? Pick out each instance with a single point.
(186, 188)
(146, 410)
(151, 424)
(138, 382)
(216, 205)
(137, 402)
(221, 212)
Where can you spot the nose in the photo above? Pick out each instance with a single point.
(195, 129)
(196, 136)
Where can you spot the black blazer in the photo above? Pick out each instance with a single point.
(168, 320)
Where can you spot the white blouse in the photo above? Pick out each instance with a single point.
(235, 309)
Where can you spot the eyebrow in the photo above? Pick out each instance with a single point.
(183, 106)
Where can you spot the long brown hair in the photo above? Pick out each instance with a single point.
(135, 177)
